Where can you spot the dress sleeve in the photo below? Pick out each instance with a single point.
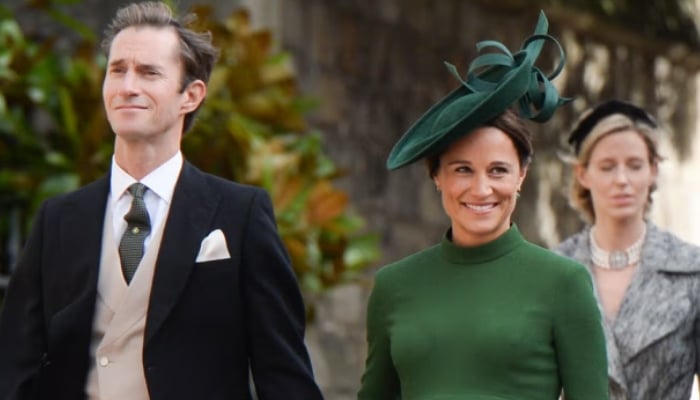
(579, 339)
(380, 380)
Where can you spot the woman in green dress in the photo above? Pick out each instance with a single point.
(484, 314)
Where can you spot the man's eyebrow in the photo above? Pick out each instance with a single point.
(153, 67)
(144, 66)
(116, 62)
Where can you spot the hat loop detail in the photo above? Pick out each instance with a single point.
(540, 100)
(495, 81)
(562, 56)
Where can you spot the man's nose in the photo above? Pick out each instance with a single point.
(128, 85)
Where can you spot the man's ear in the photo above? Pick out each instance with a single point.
(193, 94)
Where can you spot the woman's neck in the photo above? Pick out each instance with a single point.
(618, 234)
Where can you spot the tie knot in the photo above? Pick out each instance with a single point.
(137, 189)
(138, 214)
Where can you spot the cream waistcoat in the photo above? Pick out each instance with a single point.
(116, 370)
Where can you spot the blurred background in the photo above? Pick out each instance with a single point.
(307, 100)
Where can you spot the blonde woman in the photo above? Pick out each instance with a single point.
(647, 280)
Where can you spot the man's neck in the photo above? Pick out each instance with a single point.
(139, 160)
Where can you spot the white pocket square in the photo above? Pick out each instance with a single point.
(213, 247)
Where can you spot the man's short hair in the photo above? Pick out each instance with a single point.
(197, 53)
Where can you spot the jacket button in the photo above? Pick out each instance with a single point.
(104, 361)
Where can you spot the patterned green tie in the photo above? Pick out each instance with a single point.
(138, 227)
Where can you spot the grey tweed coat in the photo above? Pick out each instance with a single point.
(653, 344)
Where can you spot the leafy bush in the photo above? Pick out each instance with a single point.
(53, 133)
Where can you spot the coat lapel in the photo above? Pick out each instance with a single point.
(615, 371)
(645, 314)
(71, 280)
(191, 213)
(81, 238)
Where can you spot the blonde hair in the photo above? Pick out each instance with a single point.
(579, 197)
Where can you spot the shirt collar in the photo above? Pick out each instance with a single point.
(160, 181)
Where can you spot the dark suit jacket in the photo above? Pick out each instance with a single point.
(208, 324)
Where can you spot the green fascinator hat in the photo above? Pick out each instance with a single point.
(495, 81)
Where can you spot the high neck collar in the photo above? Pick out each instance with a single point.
(481, 253)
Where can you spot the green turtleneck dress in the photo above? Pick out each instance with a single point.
(507, 320)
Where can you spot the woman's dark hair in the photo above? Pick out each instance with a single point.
(509, 123)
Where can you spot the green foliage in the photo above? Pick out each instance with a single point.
(253, 130)
(53, 134)
(54, 137)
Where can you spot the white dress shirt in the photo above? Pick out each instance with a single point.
(160, 183)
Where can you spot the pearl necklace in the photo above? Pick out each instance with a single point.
(616, 259)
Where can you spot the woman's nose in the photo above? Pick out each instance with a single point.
(621, 176)
(482, 185)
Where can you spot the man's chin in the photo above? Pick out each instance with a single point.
(129, 135)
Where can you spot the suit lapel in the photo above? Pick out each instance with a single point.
(81, 236)
(190, 215)
(71, 282)
(616, 374)
(644, 315)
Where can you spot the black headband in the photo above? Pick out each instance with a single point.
(586, 125)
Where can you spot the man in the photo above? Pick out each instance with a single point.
(157, 281)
